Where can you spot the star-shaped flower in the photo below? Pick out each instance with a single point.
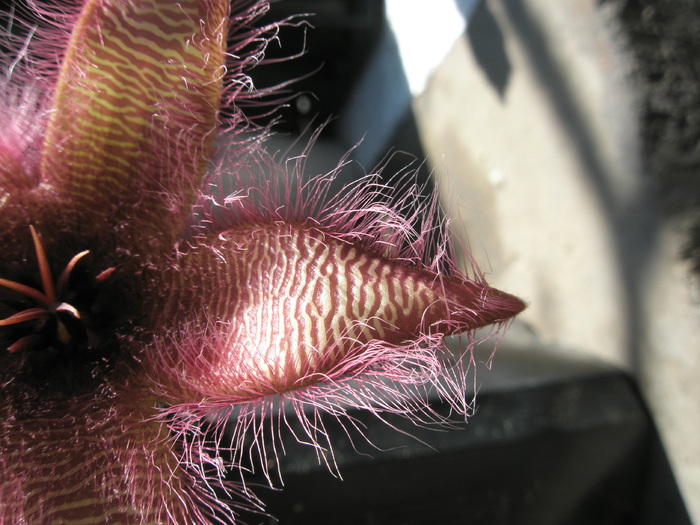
(153, 278)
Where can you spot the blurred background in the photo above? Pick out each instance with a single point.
(564, 137)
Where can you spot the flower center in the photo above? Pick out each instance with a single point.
(55, 316)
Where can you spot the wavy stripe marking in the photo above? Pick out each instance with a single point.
(147, 90)
(298, 299)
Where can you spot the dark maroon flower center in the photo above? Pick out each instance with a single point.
(55, 322)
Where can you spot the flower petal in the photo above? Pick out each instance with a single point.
(289, 302)
(294, 309)
(100, 457)
(134, 113)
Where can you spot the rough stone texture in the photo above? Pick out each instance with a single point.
(568, 134)
(664, 36)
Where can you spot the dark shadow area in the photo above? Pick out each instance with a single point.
(633, 225)
(20, 27)
(405, 152)
(349, 76)
(485, 39)
(335, 46)
(380, 107)
(355, 81)
(664, 36)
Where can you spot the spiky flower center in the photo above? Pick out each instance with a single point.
(55, 316)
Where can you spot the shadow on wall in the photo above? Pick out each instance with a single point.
(350, 76)
(485, 39)
(380, 105)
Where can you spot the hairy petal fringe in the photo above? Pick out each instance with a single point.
(23, 121)
(250, 248)
(244, 432)
(393, 217)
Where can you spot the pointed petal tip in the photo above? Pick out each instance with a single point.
(472, 305)
(503, 305)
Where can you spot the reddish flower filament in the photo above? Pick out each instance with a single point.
(49, 301)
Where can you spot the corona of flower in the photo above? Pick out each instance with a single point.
(153, 278)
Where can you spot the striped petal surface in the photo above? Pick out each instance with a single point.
(92, 459)
(134, 114)
(292, 301)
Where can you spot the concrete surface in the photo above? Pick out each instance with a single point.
(532, 119)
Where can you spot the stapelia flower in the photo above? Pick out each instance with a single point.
(152, 280)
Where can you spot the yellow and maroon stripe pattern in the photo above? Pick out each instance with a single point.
(298, 300)
(135, 105)
(92, 463)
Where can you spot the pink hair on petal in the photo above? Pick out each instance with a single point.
(379, 376)
(27, 81)
(38, 55)
(23, 122)
(247, 186)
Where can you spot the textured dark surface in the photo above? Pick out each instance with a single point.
(664, 36)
